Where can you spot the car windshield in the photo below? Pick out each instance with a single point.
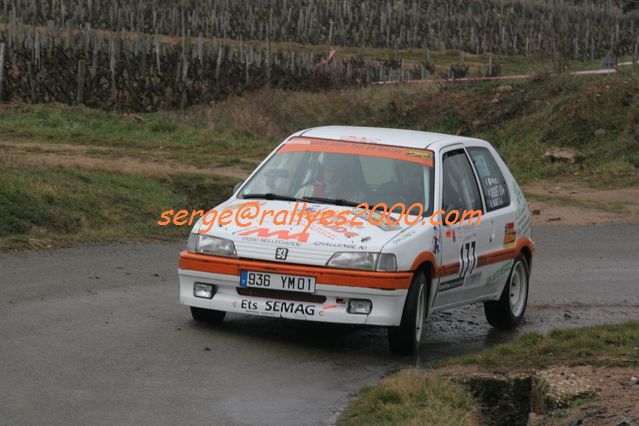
(347, 173)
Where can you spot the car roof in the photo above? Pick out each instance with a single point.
(378, 135)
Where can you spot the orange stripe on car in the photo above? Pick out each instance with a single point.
(413, 155)
(330, 276)
(485, 259)
(342, 277)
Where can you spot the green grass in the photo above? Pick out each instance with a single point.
(425, 397)
(154, 135)
(605, 345)
(413, 397)
(51, 207)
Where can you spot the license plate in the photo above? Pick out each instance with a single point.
(273, 281)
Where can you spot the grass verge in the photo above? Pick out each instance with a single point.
(413, 397)
(45, 207)
(604, 345)
(434, 396)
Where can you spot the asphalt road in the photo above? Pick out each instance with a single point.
(95, 335)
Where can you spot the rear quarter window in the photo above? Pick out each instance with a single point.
(491, 179)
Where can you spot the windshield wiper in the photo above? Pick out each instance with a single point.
(270, 196)
(336, 201)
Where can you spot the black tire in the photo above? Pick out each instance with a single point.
(207, 315)
(405, 339)
(500, 313)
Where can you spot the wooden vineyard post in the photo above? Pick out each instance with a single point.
(1, 69)
(81, 73)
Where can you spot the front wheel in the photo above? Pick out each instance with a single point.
(207, 315)
(405, 339)
(507, 312)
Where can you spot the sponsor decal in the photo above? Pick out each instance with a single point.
(289, 308)
(447, 285)
(271, 307)
(360, 139)
(421, 154)
(280, 234)
(522, 215)
(474, 278)
(248, 305)
(510, 235)
(281, 253)
(271, 241)
(466, 233)
(340, 245)
(322, 231)
(341, 229)
(450, 233)
(403, 236)
(435, 242)
(498, 275)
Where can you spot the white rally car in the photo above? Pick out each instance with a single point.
(369, 272)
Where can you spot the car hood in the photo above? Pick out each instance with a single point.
(285, 230)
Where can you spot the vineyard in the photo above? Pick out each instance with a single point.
(149, 55)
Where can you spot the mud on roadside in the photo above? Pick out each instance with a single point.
(556, 395)
(570, 202)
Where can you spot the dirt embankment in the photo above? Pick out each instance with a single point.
(557, 395)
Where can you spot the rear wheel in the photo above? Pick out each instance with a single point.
(405, 339)
(207, 315)
(507, 312)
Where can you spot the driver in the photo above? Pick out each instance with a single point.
(408, 185)
(333, 181)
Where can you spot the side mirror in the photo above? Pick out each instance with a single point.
(237, 186)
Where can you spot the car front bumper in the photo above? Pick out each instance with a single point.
(386, 291)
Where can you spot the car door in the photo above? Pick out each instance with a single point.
(460, 275)
(499, 216)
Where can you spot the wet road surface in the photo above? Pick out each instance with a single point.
(96, 335)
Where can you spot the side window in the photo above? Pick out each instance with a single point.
(460, 190)
(492, 180)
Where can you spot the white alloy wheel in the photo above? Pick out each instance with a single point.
(421, 309)
(518, 289)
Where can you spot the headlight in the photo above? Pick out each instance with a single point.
(207, 244)
(367, 261)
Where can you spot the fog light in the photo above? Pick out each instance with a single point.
(203, 291)
(359, 306)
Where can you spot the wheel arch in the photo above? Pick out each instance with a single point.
(429, 269)
(527, 253)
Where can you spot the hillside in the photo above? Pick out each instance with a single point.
(77, 174)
